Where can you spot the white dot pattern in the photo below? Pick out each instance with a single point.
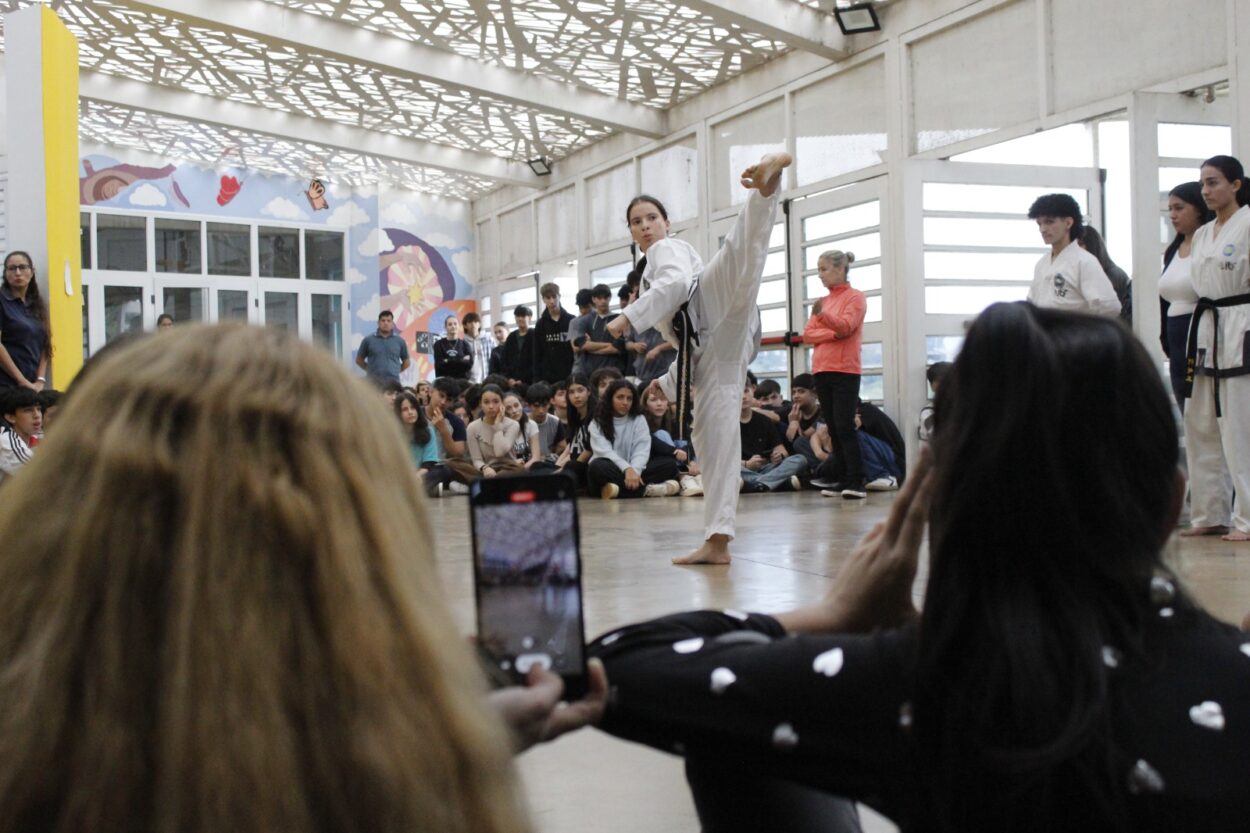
(1208, 715)
(737, 614)
(688, 646)
(829, 663)
(1110, 657)
(1245, 649)
(722, 678)
(784, 737)
(1143, 778)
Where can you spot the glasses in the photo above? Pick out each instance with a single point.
(18, 267)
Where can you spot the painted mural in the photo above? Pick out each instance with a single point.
(407, 252)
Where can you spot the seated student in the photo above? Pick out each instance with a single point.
(472, 397)
(803, 417)
(213, 566)
(1059, 677)
(422, 391)
(19, 429)
(390, 390)
(601, 378)
(766, 465)
(551, 439)
(661, 420)
(581, 412)
(422, 442)
(560, 400)
(881, 447)
(622, 465)
(934, 376)
(527, 449)
(770, 403)
(49, 402)
(454, 470)
(492, 437)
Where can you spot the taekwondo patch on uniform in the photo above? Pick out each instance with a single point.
(1229, 249)
(1061, 288)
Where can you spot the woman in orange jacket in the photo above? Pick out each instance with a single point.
(836, 329)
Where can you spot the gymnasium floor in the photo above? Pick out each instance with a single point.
(789, 547)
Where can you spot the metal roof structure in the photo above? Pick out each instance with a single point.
(450, 98)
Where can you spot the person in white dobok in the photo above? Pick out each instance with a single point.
(1069, 278)
(709, 313)
(1217, 367)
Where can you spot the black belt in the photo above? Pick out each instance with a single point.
(1210, 305)
(687, 336)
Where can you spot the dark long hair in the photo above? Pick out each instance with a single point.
(34, 299)
(1232, 170)
(1190, 193)
(575, 420)
(420, 434)
(1055, 455)
(604, 413)
(634, 279)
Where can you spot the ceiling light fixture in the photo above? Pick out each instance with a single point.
(540, 166)
(856, 19)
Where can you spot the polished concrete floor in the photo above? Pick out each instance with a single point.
(788, 549)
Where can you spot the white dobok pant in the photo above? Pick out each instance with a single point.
(1211, 444)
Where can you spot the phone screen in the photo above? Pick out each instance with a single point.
(527, 573)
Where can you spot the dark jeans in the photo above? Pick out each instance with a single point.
(1178, 332)
(729, 800)
(603, 471)
(839, 398)
(577, 471)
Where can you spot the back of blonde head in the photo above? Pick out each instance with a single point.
(219, 610)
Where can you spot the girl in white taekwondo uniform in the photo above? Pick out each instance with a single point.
(710, 314)
(1069, 278)
(1217, 367)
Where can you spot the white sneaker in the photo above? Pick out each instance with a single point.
(882, 484)
(457, 488)
(691, 486)
(666, 489)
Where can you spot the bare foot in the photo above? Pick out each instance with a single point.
(765, 175)
(715, 550)
(1196, 531)
(1236, 535)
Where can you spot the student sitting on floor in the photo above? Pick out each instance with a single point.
(770, 403)
(422, 442)
(19, 429)
(934, 375)
(803, 417)
(880, 445)
(581, 412)
(493, 437)
(528, 448)
(622, 465)
(551, 438)
(766, 465)
(601, 378)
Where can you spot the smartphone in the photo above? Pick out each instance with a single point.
(527, 576)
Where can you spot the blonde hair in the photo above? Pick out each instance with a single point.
(219, 610)
(836, 258)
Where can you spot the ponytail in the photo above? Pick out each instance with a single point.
(1232, 170)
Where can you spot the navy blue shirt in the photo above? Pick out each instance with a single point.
(384, 356)
(22, 335)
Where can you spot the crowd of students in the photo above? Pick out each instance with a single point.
(615, 437)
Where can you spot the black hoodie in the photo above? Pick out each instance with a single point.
(553, 355)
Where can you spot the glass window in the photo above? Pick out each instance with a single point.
(671, 174)
(279, 252)
(942, 348)
(953, 231)
(232, 305)
(778, 238)
(1068, 146)
(774, 320)
(323, 255)
(1181, 141)
(178, 246)
(864, 278)
(84, 238)
(739, 143)
(840, 123)
(485, 304)
(775, 264)
(979, 266)
(229, 249)
(282, 311)
(872, 313)
(991, 199)
(123, 311)
(872, 387)
(864, 247)
(183, 303)
(772, 292)
(969, 300)
(856, 217)
(509, 301)
(768, 362)
(871, 356)
(327, 322)
(121, 242)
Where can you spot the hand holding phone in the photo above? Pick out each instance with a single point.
(534, 714)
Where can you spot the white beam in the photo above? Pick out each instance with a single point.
(794, 24)
(280, 25)
(111, 89)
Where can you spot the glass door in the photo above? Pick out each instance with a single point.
(184, 299)
(233, 299)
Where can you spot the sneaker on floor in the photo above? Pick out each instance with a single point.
(457, 488)
(436, 490)
(854, 493)
(754, 488)
(691, 487)
(791, 485)
(882, 484)
(831, 493)
(666, 489)
(826, 483)
(610, 491)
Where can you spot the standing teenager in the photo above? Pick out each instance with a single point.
(1217, 419)
(710, 314)
(836, 328)
(1177, 298)
(25, 339)
(553, 355)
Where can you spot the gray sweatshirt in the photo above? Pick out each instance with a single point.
(632, 447)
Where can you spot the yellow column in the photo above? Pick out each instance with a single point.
(41, 80)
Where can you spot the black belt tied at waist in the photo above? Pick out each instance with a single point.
(1212, 306)
(687, 338)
